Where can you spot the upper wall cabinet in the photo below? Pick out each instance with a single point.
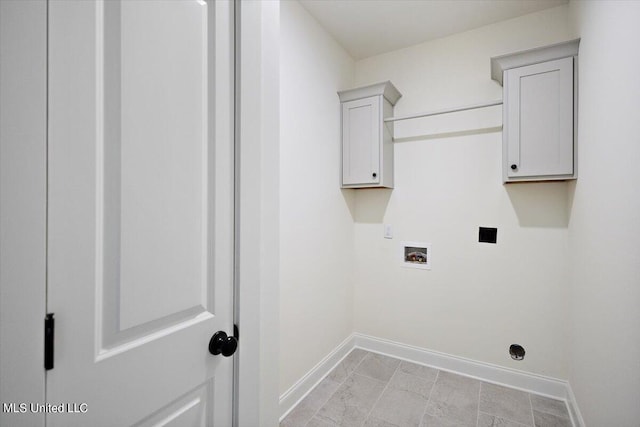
(367, 142)
(540, 116)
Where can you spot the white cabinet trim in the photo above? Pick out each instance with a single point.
(386, 89)
(501, 63)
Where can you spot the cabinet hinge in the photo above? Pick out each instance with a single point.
(49, 329)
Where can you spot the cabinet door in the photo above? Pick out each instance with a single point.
(361, 141)
(539, 120)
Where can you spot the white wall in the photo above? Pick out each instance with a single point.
(478, 298)
(563, 279)
(604, 229)
(316, 224)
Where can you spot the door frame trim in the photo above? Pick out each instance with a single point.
(257, 212)
(23, 206)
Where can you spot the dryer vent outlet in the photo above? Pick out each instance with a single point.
(516, 351)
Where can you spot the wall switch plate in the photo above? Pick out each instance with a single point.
(388, 231)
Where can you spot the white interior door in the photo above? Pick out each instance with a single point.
(140, 211)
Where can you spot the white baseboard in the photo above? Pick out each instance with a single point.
(574, 411)
(290, 398)
(533, 383)
(513, 378)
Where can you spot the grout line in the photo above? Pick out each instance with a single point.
(364, 376)
(517, 424)
(337, 388)
(500, 417)
(383, 390)
(478, 412)
(533, 417)
(568, 417)
(359, 363)
(433, 386)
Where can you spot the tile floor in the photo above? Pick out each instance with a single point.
(370, 390)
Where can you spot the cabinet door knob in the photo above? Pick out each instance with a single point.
(514, 167)
(374, 174)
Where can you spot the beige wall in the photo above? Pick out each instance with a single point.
(316, 225)
(478, 298)
(604, 229)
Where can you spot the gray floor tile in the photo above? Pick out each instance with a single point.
(348, 365)
(317, 422)
(352, 402)
(372, 390)
(418, 370)
(299, 417)
(433, 421)
(400, 407)
(455, 398)
(550, 406)
(374, 422)
(486, 420)
(543, 419)
(407, 382)
(378, 366)
(296, 418)
(506, 403)
(307, 408)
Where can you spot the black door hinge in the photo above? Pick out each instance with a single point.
(49, 328)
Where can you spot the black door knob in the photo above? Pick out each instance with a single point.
(220, 343)
(514, 167)
(374, 174)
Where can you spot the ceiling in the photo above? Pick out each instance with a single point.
(371, 27)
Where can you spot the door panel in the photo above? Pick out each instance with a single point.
(163, 158)
(140, 210)
(155, 159)
(541, 125)
(361, 141)
(192, 409)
